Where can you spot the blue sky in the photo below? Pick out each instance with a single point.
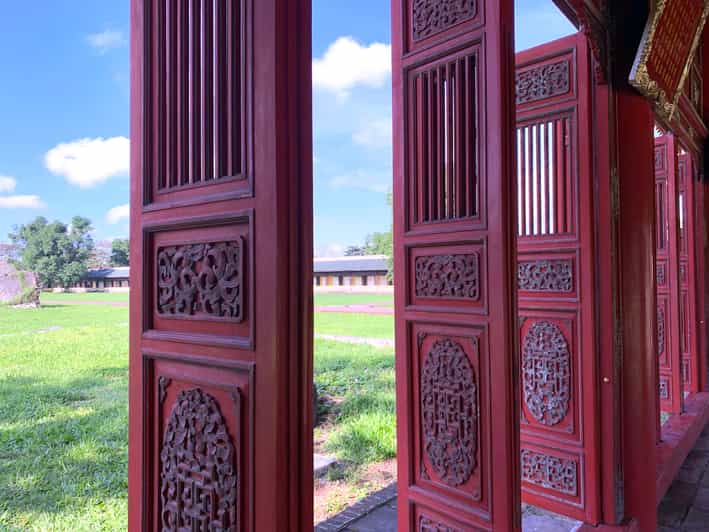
(64, 105)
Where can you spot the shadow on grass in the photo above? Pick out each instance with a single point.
(62, 445)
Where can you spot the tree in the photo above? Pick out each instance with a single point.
(119, 252)
(355, 251)
(56, 252)
(382, 244)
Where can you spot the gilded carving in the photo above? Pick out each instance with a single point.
(545, 275)
(550, 472)
(542, 82)
(448, 276)
(656, 62)
(449, 411)
(201, 279)
(198, 478)
(434, 16)
(546, 373)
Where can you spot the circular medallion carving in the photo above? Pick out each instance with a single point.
(449, 412)
(198, 479)
(546, 373)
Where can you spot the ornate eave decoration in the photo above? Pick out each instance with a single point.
(665, 98)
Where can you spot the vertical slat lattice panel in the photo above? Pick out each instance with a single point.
(545, 180)
(196, 121)
(445, 152)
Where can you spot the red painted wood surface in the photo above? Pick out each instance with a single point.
(700, 244)
(556, 280)
(221, 254)
(457, 402)
(686, 176)
(669, 340)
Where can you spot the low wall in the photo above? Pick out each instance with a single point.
(389, 290)
(81, 290)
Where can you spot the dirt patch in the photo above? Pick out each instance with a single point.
(332, 495)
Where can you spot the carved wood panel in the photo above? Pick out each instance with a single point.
(686, 219)
(447, 278)
(669, 311)
(430, 17)
(198, 475)
(556, 280)
(454, 261)
(450, 404)
(542, 82)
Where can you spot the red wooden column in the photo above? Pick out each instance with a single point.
(221, 276)
(454, 223)
(669, 341)
(632, 151)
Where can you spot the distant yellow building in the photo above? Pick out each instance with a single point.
(359, 271)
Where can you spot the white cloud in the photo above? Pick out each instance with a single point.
(347, 64)
(7, 184)
(118, 213)
(376, 134)
(21, 202)
(363, 180)
(89, 162)
(107, 40)
(330, 250)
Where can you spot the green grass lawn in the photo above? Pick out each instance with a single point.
(63, 418)
(358, 381)
(320, 299)
(353, 299)
(85, 296)
(362, 325)
(63, 409)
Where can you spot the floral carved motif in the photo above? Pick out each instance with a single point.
(434, 16)
(660, 330)
(549, 472)
(201, 279)
(449, 411)
(545, 276)
(542, 82)
(659, 159)
(426, 524)
(661, 275)
(163, 385)
(546, 373)
(448, 276)
(198, 479)
(683, 277)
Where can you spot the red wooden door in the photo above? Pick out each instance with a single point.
(220, 363)
(556, 265)
(687, 273)
(454, 256)
(668, 299)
